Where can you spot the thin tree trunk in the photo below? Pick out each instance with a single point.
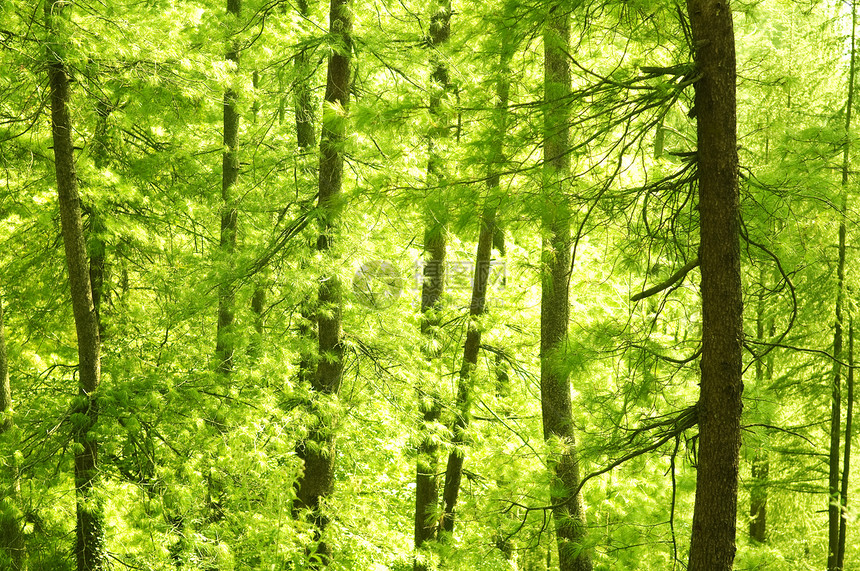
(89, 544)
(846, 460)
(225, 345)
(712, 545)
(454, 470)
(317, 481)
(556, 406)
(835, 502)
(12, 536)
(761, 463)
(433, 285)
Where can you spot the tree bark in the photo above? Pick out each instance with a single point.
(846, 459)
(89, 544)
(433, 285)
(712, 545)
(317, 481)
(835, 505)
(556, 406)
(225, 344)
(760, 468)
(454, 469)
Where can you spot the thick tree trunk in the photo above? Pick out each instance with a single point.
(317, 481)
(712, 545)
(89, 545)
(433, 285)
(556, 407)
(225, 345)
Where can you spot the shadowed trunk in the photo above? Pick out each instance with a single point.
(89, 543)
(556, 406)
(225, 345)
(317, 482)
(433, 285)
(712, 545)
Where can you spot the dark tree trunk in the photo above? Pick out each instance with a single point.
(225, 345)
(426, 478)
(760, 468)
(317, 481)
(89, 544)
(454, 470)
(846, 459)
(835, 516)
(556, 406)
(712, 545)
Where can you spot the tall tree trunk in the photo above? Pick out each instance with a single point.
(760, 468)
(556, 407)
(846, 460)
(317, 481)
(12, 536)
(225, 344)
(89, 544)
(835, 501)
(433, 285)
(712, 545)
(454, 470)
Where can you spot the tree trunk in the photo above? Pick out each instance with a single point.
(846, 460)
(317, 481)
(835, 517)
(433, 285)
(12, 538)
(225, 345)
(712, 545)
(556, 407)
(89, 545)
(454, 470)
(760, 468)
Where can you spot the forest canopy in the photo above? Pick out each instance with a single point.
(384, 284)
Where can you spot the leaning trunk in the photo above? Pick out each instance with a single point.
(454, 469)
(89, 544)
(556, 407)
(712, 545)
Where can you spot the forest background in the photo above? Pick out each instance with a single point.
(416, 285)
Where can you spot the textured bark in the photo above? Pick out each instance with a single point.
(89, 544)
(712, 545)
(556, 406)
(317, 481)
(454, 469)
(225, 345)
(433, 285)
